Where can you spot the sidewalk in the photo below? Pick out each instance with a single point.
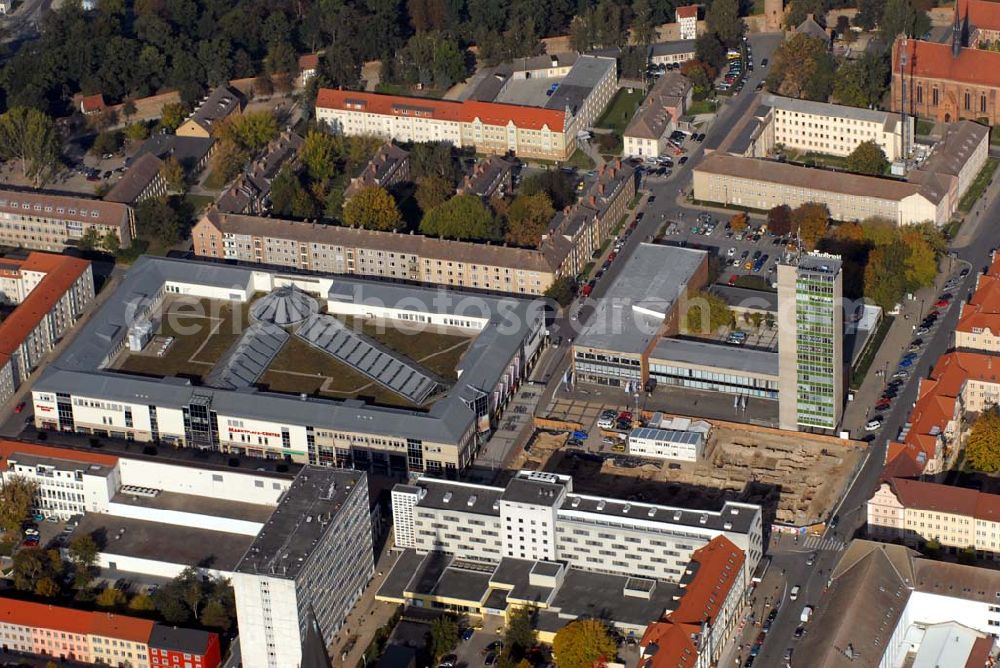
(967, 232)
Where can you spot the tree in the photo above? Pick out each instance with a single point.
(281, 59)
(263, 85)
(528, 219)
(982, 451)
(319, 153)
(739, 222)
(216, 615)
(16, 498)
(463, 217)
(128, 109)
(811, 220)
(192, 590)
(108, 141)
(868, 158)
(173, 173)
(900, 18)
(32, 566)
(372, 208)
(136, 132)
(701, 75)
(556, 184)
(843, 29)
(862, 82)
(228, 160)
(520, 635)
(723, 19)
(90, 239)
(779, 220)
(142, 602)
(47, 587)
(869, 13)
(83, 555)
(171, 116)
(251, 131)
(432, 191)
(643, 27)
(433, 159)
(705, 313)
(29, 136)
(561, 290)
(802, 67)
(709, 49)
(111, 597)
(157, 220)
(584, 643)
(444, 636)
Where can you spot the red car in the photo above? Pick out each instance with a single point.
(732, 280)
(19, 407)
(883, 404)
(611, 256)
(625, 415)
(587, 289)
(941, 303)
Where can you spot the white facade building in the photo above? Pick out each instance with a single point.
(537, 516)
(684, 446)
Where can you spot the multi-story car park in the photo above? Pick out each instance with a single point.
(47, 221)
(80, 392)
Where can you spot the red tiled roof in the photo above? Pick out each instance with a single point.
(8, 448)
(61, 271)
(923, 495)
(983, 309)
(719, 565)
(980, 13)
(92, 103)
(489, 113)
(935, 61)
(69, 620)
(309, 61)
(687, 12)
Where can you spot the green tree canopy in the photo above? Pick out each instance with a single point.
(30, 137)
(528, 219)
(157, 220)
(462, 217)
(723, 19)
(372, 208)
(432, 191)
(17, 495)
(319, 154)
(554, 183)
(862, 82)
(802, 67)
(704, 313)
(581, 644)
(868, 158)
(173, 174)
(562, 290)
(444, 636)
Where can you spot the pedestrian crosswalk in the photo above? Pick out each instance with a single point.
(820, 543)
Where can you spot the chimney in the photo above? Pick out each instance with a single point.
(593, 200)
(600, 188)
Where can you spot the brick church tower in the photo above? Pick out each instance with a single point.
(774, 15)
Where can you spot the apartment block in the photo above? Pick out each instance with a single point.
(537, 516)
(332, 249)
(51, 292)
(46, 221)
(764, 184)
(141, 181)
(389, 166)
(917, 511)
(810, 347)
(102, 638)
(657, 116)
(489, 127)
(311, 561)
(978, 326)
(489, 178)
(251, 191)
(834, 129)
(218, 105)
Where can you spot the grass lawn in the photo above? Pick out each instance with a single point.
(213, 181)
(975, 190)
(619, 112)
(580, 160)
(813, 158)
(701, 107)
(198, 203)
(751, 282)
(399, 89)
(191, 354)
(924, 127)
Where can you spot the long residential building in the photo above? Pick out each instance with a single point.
(658, 116)
(978, 326)
(917, 511)
(46, 221)
(763, 184)
(81, 391)
(51, 292)
(103, 638)
(488, 127)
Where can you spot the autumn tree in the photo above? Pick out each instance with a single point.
(16, 497)
(372, 208)
(31, 138)
(554, 183)
(584, 643)
(562, 290)
(173, 174)
(141, 602)
(434, 159)
(982, 451)
(444, 635)
(36, 570)
(83, 552)
(250, 131)
(111, 597)
(723, 19)
(135, 132)
(739, 222)
(319, 154)
(462, 217)
(432, 190)
(868, 158)
(861, 82)
(779, 220)
(705, 313)
(157, 220)
(811, 221)
(528, 219)
(802, 67)
(171, 116)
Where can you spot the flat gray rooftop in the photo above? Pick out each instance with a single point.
(288, 538)
(760, 300)
(201, 505)
(630, 313)
(462, 497)
(400, 573)
(739, 517)
(826, 109)
(717, 355)
(672, 48)
(586, 594)
(185, 546)
(60, 464)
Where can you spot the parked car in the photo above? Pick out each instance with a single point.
(873, 425)
(794, 594)
(19, 407)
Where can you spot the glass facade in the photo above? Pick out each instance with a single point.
(815, 311)
(713, 381)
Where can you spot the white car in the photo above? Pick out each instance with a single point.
(873, 425)
(731, 252)
(794, 594)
